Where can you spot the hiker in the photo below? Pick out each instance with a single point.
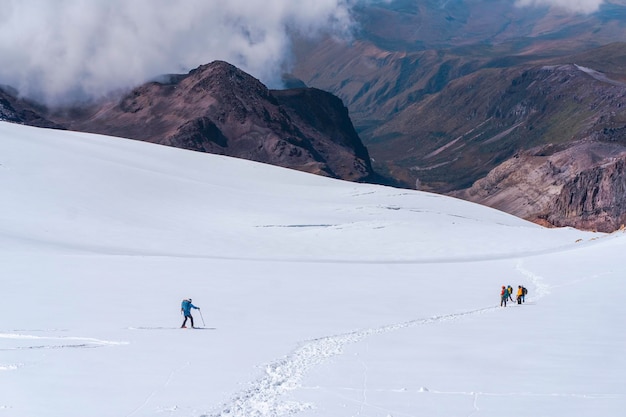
(520, 294)
(510, 290)
(524, 292)
(185, 309)
(504, 296)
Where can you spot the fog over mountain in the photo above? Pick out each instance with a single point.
(64, 50)
(57, 50)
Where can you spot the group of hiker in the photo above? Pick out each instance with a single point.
(507, 294)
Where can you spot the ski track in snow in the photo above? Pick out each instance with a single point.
(263, 397)
(51, 342)
(15, 340)
(153, 393)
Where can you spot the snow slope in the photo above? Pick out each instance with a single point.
(319, 297)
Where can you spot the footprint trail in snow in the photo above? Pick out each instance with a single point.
(264, 397)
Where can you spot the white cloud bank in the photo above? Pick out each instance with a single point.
(91, 47)
(577, 6)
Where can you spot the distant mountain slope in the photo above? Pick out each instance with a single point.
(220, 109)
(406, 49)
(492, 114)
(442, 93)
(572, 113)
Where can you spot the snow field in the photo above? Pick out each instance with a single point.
(320, 297)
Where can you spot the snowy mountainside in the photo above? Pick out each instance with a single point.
(93, 193)
(317, 296)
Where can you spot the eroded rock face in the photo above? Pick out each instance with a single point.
(593, 199)
(220, 109)
(583, 186)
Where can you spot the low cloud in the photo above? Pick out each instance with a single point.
(576, 6)
(60, 50)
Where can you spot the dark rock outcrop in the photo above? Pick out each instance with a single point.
(15, 110)
(593, 199)
(320, 115)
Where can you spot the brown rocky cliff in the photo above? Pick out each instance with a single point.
(593, 199)
(582, 186)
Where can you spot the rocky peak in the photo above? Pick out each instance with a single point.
(219, 108)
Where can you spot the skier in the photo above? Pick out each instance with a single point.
(520, 294)
(524, 292)
(185, 309)
(504, 296)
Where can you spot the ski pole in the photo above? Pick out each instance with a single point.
(200, 311)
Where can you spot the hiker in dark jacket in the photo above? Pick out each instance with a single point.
(185, 309)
